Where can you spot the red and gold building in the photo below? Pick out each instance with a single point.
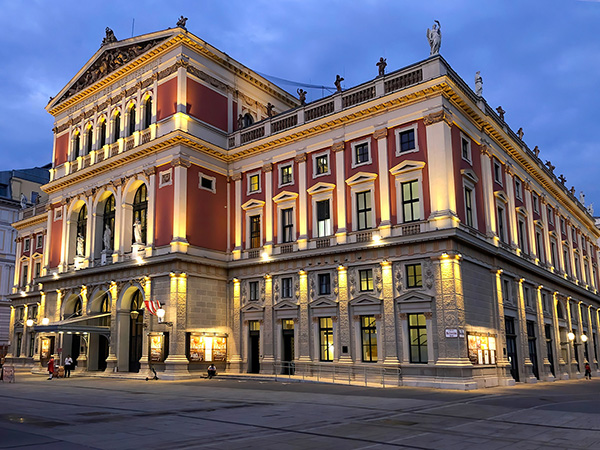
(399, 227)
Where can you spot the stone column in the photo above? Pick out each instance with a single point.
(545, 372)
(268, 360)
(562, 369)
(385, 227)
(303, 320)
(527, 366)
(111, 360)
(344, 316)
(574, 371)
(64, 248)
(441, 170)
(11, 331)
(302, 206)
(47, 242)
(340, 192)
(144, 360)
(511, 211)
(176, 365)
(268, 171)
(59, 298)
(182, 65)
(530, 225)
(390, 333)
(489, 201)
(504, 377)
(234, 348)
(179, 242)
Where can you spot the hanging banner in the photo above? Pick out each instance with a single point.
(152, 306)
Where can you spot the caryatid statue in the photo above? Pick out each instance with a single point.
(434, 36)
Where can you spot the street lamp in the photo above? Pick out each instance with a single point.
(29, 322)
(160, 314)
(45, 321)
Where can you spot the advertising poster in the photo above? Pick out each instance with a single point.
(156, 347)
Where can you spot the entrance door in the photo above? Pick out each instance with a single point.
(511, 347)
(135, 341)
(288, 347)
(75, 347)
(531, 341)
(102, 352)
(548, 330)
(254, 347)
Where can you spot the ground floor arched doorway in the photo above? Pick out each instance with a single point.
(136, 331)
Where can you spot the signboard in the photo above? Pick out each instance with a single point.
(451, 333)
(45, 351)
(482, 349)
(8, 374)
(156, 348)
(196, 348)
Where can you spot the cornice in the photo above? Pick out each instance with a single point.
(38, 219)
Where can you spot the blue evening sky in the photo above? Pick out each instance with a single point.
(539, 59)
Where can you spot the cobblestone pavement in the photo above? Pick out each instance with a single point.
(100, 413)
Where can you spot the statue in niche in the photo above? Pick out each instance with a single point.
(381, 65)
(478, 84)
(181, 22)
(80, 245)
(302, 96)
(240, 122)
(434, 36)
(109, 38)
(137, 232)
(338, 83)
(500, 112)
(107, 238)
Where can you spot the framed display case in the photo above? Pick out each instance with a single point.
(206, 348)
(482, 348)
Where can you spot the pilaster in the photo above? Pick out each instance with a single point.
(179, 242)
(390, 346)
(303, 322)
(340, 192)
(268, 360)
(176, 365)
(385, 227)
(344, 315)
(302, 199)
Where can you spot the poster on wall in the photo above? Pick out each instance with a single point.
(482, 349)
(45, 349)
(219, 349)
(196, 348)
(156, 348)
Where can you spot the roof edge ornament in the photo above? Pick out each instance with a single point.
(109, 38)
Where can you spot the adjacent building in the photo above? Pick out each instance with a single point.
(198, 213)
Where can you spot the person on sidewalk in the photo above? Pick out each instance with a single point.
(588, 371)
(212, 371)
(68, 366)
(51, 367)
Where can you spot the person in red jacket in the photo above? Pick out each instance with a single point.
(51, 367)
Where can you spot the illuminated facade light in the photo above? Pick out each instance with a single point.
(29, 322)
(571, 336)
(45, 321)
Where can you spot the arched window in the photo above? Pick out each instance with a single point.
(103, 133)
(140, 213)
(137, 301)
(117, 127)
(76, 145)
(105, 305)
(108, 220)
(148, 112)
(81, 230)
(131, 128)
(248, 120)
(77, 308)
(88, 141)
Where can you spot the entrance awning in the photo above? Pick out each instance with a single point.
(79, 324)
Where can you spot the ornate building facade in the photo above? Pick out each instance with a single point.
(399, 224)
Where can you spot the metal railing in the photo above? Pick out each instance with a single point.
(374, 376)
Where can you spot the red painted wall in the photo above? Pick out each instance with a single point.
(166, 98)
(204, 229)
(61, 149)
(206, 105)
(55, 240)
(163, 231)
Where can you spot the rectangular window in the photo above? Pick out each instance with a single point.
(562, 226)
(366, 280)
(326, 338)
(207, 183)
(18, 343)
(577, 268)
(522, 236)
(361, 153)
(324, 284)
(24, 275)
(31, 345)
(323, 219)
(254, 183)
(469, 206)
(38, 269)
(363, 210)
(407, 140)
(287, 225)
(417, 332)
(286, 288)
(545, 303)
(527, 295)
(550, 215)
(501, 231)
(368, 333)
(518, 189)
(254, 231)
(286, 174)
(40, 241)
(322, 163)
(554, 255)
(506, 294)
(26, 244)
(535, 203)
(538, 246)
(566, 260)
(253, 286)
(411, 203)
(466, 149)
(497, 173)
(413, 276)
(32, 312)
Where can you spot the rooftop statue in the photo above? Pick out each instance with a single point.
(478, 84)
(434, 36)
(181, 22)
(338, 83)
(521, 133)
(591, 209)
(582, 198)
(301, 96)
(381, 65)
(500, 112)
(109, 38)
(270, 108)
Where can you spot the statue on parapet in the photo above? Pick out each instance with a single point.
(582, 198)
(500, 112)
(381, 65)
(270, 108)
(338, 83)
(302, 96)
(590, 209)
(521, 133)
(181, 22)
(434, 36)
(109, 38)
(478, 84)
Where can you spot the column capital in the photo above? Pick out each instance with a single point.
(381, 133)
(300, 158)
(150, 171)
(338, 146)
(179, 161)
(267, 167)
(485, 149)
(438, 116)
(236, 177)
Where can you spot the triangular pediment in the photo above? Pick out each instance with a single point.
(286, 305)
(470, 174)
(414, 297)
(320, 188)
(36, 255)
(361, 177)
(253, 307)
(111, 56)
(251, 204)
(364, 300)
(407, 166)
(285, 196)
(322, 302)
(502, 196)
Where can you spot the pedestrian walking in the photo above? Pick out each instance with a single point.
(68, 366)
(51, 367)
(588, 371)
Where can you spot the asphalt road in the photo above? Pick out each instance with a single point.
(100, 413)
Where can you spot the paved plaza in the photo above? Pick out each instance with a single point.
(225, 413)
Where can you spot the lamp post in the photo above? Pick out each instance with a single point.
(572, 339)
(160, 314)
